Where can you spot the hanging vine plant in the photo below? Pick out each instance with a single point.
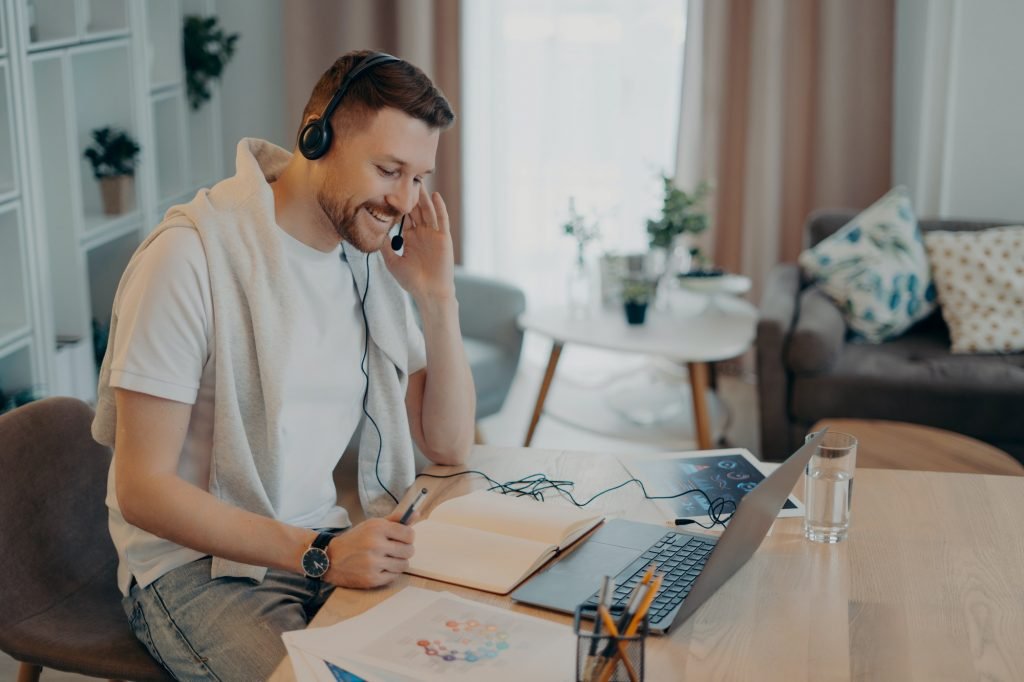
(208, 49)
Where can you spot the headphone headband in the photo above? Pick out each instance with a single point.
(315, 137)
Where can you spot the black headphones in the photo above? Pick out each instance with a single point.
(315, 137)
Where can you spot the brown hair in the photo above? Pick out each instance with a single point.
(398, 85)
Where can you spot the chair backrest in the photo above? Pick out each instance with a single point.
(488, 309)
(53, 518)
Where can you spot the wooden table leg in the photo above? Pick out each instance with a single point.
(556, 351)
(28, 672)
(699, 387)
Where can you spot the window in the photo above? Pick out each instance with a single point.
(565, 98)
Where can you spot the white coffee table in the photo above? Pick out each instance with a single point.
(688, 332)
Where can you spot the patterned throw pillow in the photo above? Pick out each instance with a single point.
(875, 269)
(980, 278)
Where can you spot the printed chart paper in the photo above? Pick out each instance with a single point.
(420, 634)
(728, 474)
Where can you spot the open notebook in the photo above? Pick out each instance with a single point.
(492, 542)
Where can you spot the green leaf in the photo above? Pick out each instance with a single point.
(207, 50)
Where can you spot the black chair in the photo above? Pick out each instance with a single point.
(58, 567)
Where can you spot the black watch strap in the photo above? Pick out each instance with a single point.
(322, 539)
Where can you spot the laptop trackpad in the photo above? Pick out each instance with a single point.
(569, 581)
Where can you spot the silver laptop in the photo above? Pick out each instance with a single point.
(695, 566)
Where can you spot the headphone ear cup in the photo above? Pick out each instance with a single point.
(315, 139)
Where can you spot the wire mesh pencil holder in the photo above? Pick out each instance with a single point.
(602, 658)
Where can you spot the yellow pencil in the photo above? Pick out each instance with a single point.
(609, 665)
(645, 605)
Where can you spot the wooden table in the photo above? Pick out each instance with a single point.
(883, 444)
(928, 586)
(691, 333)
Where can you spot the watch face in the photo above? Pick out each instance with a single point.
(315, 562)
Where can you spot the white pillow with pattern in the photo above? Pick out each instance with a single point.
(980, 278)
(875, 269)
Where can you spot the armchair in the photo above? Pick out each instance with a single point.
(487, 314)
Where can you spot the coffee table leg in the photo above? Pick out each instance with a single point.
(699, 387)
(556, 351)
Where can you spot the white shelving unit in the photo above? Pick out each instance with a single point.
(19, 322)
(68, 67)
(48, 24)
(8, 157)
(15, 323)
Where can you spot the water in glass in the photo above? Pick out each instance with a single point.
(828, 495)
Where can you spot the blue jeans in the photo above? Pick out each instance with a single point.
(201, 628)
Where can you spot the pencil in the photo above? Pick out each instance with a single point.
(645, 605)
(602, 610)
(412, 507)
(609, 662)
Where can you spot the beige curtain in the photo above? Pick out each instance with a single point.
(787, 107)
(424, 32)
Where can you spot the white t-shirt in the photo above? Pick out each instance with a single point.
(165, 347)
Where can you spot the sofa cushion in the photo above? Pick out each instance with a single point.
(875, 269)
(916, 379)
(980, 282)
(819, 334)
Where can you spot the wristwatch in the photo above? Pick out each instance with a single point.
(315, 561)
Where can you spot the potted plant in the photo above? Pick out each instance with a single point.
(113, 156)
(636, 294)
(682, 213)
(207, 51)
(579, 281)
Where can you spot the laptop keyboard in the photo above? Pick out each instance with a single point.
(680, 558)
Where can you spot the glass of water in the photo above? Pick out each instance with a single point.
(828, 488)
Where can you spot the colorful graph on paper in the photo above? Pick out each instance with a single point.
(729, 476)
(453, 637)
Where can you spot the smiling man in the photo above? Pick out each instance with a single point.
(251, 333)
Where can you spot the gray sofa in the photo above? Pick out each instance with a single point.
(808, 369)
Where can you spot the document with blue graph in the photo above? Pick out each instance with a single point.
(725, 475)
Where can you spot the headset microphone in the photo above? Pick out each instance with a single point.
(397, 241)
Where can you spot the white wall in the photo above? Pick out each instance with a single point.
(958, 139)
(252, 85)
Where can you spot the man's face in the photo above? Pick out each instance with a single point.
(372, 177)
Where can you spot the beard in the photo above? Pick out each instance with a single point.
(344, 219)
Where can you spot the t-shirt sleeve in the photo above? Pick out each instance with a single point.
(164, 321)
(417, 346)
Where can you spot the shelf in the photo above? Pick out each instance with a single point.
(14, 315)
(101, 229)
(50, 22)
(16, 368)
(102, 83)
(104, 18)
(8, 151)
(163, 46)
(169, 131)
(105, 265)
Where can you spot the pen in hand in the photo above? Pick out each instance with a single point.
(412, 506)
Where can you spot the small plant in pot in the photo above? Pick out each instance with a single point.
(682, 218)
(113, 156)
(207, 50)
(636, 294)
